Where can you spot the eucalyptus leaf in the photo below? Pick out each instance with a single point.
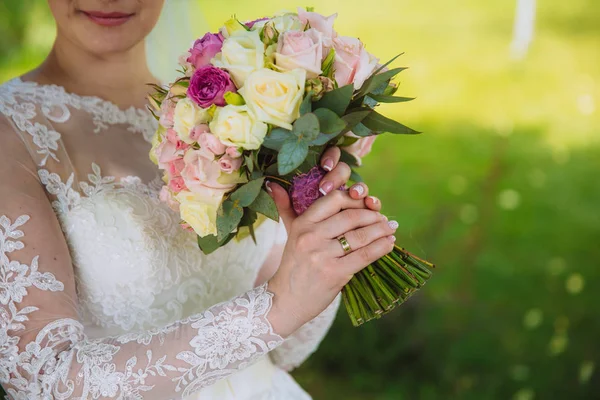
(306, 105)
(249, 163)
(323, 138)
(355, 117)
(389, 99)
(249, 217)
(306, 127)
(361, 130)
(265, 205)
(292, 154)
(275, 138)
(348, 158)
(376, 80)
(379, 123)
(228, 217)
(378, 70)
(209, 243)
(246, 194)
(329, 122)
(337, 100)
(355, 177)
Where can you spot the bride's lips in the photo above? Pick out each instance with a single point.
(108, 19)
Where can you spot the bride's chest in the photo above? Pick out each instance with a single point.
(136, 268)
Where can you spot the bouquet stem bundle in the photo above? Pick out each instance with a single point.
(385, 284)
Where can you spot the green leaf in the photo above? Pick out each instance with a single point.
(337, 100)
(292, 154)
(387, 63)
(329, 122)
(249, 163)
(234, 99)
(274, 140)
(348, 159)
(265, 205)
(376, 80)
(209, 243)
(249, 217)
(256, 174)
(347, 141)
(306, 127)
(355, 117)
(389, 99)
(324, 138)
(379, 123)
(327, 64)
(228, 216)
(361, 130)
(306, 105)
(246, 194)
(355, 177)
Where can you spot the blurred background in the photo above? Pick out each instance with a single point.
(501, 190)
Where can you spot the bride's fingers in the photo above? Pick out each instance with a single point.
(348, 220)
(330, 205)
(361, 237)
(330, 158)
(358, 191)
(283, 203)
(373, 203)
(359, 259)
(335, 179)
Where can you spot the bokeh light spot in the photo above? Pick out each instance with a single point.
(509, 199)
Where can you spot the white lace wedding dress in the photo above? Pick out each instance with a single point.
(127, 306)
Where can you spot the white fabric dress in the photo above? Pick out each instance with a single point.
(129, 308)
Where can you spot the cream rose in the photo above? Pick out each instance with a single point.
(242, 53)
(275, 97)
(283, 23)
(298, 49)
(187, 115)
(237, 126)
(200, 210)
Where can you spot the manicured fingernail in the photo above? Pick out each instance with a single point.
(392, 238)
(393, 225)
(326, 187)
(328, 164)
(374, 199)
(268, 186)
(385, 218)
(359, 189)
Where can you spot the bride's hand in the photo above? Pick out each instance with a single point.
(314, 266)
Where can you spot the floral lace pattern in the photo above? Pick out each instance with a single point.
(64, 363)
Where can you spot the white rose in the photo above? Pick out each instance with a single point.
(275, 97)
(200, 210)
(187, 115)
(300, 49)
(242, 53)
(237, 126)
(283, 23)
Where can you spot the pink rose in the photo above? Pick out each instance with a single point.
(233, 152)
(167, 152)
(177, 184)
(208, 86)
(167, 109)
(320, 23)
(201, 174)
(166, 197)
(210, 145)
(197, 131)
(175, 167)
(361, 147)
(228, 164)
(205, 49)
(353, 64)
(173, 138)
(296, 49)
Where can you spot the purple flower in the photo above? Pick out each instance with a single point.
(208, 85)
(250, 24)
(205, 49)
(305, 189)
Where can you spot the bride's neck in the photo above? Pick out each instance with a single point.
(120, 78)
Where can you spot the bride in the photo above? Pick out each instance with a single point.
(102, 294)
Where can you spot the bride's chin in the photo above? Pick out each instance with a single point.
(108, 40)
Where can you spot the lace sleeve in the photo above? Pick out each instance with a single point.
(306, 340)
(44, 352)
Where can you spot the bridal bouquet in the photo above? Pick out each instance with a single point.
(260, 101)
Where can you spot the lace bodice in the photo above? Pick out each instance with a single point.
(129, 308)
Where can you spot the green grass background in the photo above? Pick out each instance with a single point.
(501, 191)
